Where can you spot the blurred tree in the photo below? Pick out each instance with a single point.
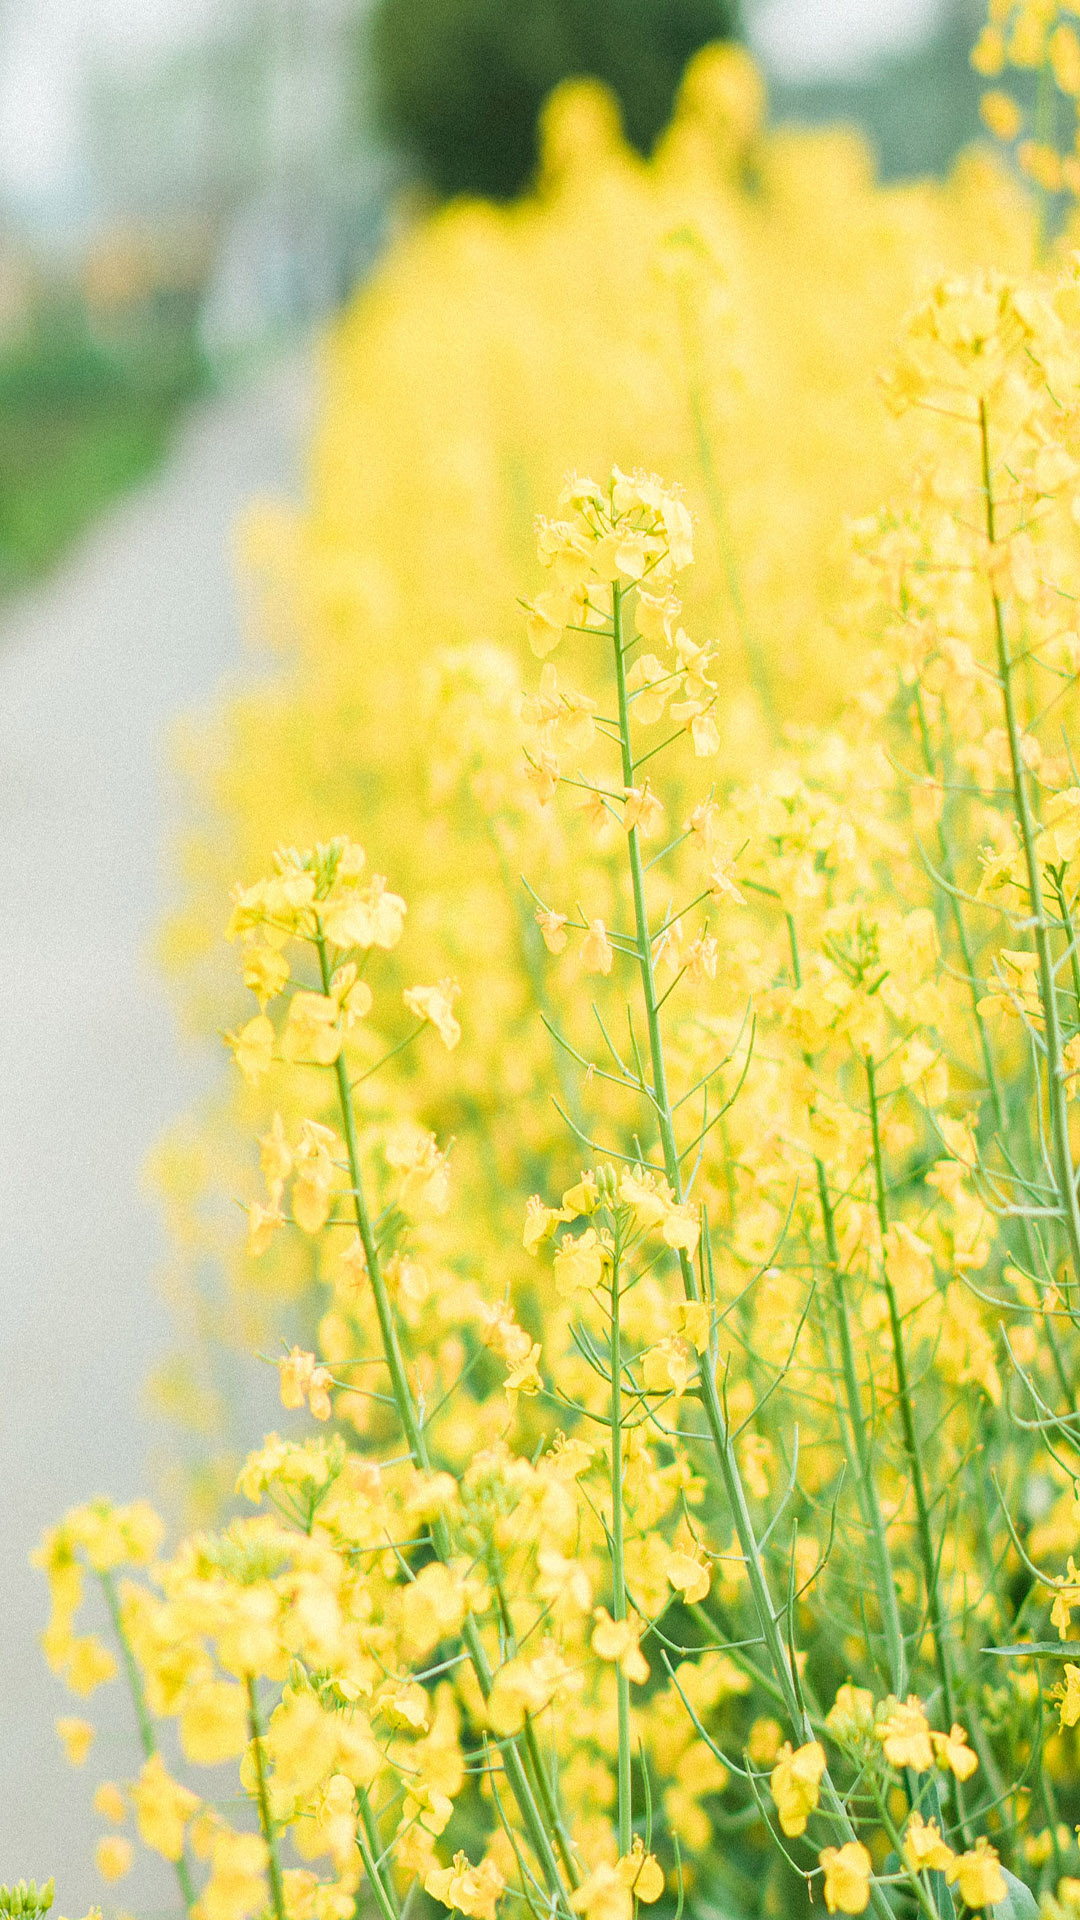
(459, 83)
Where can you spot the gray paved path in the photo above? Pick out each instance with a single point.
(138, 627)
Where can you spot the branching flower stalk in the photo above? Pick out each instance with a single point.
(262, 1799)
(768, 1614)
(954, 907)
(1056, 1070)
(618, 1573)
(853, 1419)
(144, 1718)
(412, 1427)
(929, 1559)
(367, 1839)
(906, 1406)
(399, 1632)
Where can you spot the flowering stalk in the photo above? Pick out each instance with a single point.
(906, 1404)
(412, 1426)
(538, 1772)
(367, 1841)
(552, 1811)
(1056, 1070)
(905, 1400)
(854, 1425)
(948, 874)
(266, 1819)
(147, 1736)
(618, 1573)
(767, 1614)
(990, 1065)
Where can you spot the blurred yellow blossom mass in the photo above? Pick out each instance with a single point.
(662, 1213)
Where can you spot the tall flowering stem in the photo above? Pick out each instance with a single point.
(905, 1401)
(367, 1841)
(853, 1418)
(854, 1427)
(143, 1716)
(262, 1798)
(1056, 1070)
(413, 1429)
(766, 1610)
(618, 1572)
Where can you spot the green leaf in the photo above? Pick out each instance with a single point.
(1052, 1649)
(1019, 1903)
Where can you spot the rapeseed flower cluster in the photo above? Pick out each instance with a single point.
(665, 1206)
(717, 314)
(519, 1636)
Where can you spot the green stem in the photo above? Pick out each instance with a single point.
(412, 1426)
(731, 1477)
(618, 1573)
(866, 1484)
(1055, 1060)
(367, 1839)
(948, 871)
(266, 1820)
(551, 1805)
(1058, 878)
(538, 1772)
(915, 1880)
(388, 1333)
(147, 1736)
(997, 1099)
(855, 1432)
(906, 1403)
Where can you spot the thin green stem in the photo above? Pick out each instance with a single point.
(915, 1880)
(854, 1426)
(993, 1078)
(147, 1736)
(395, 1361)
(412, 1426)
(618, 1572)
(866, 1484)
(768, 1615)
(1058, 879)
(367, 1839)
(906, 1404)
(266, 1819)
(1055, 1056)
(551, 1805)
(955, 905)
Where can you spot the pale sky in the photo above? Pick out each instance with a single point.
(806, 38)
(46, 44)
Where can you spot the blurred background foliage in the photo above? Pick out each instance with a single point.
(242, 181)
(459, 84)
(918, 108)
(86, 405)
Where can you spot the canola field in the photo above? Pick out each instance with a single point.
(639, 911)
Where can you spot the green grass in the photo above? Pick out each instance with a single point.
(81, 419)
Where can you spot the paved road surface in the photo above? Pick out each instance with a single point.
(137, 628)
